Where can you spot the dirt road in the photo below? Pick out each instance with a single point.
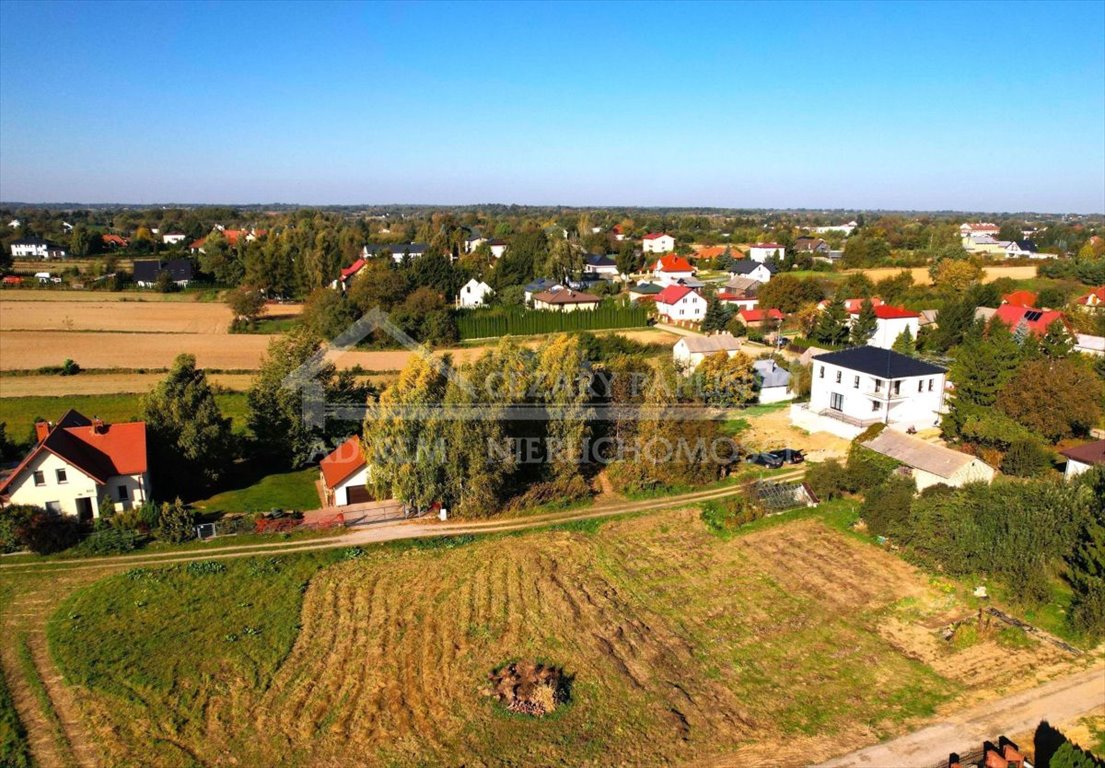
(1057, 701)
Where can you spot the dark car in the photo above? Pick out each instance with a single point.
(769, 460)
(788, 456)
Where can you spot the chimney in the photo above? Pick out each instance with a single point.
(42, 430)
(98, 426)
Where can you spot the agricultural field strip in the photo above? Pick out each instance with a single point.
(390, 531)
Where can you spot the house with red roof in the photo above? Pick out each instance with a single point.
(618, 232)
(78, 462)
(344, 475)
(1021, 299)
(115, 241)
(1093, 300)
(757, 318)
(670, 269)
(657, 242)
(1035, 320)
(348, 273)
(680, 302)
(890, 321)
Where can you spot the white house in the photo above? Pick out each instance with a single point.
(173, 238)
(772, 381)
(599, 264)
(1089, 345)
(565, 300)
(398, 251)
(761, 252)
(978, 228)
(670, 269)
(474, 293)
(541, 285)
(758, 271)
(847, 229)
(498, 248)
(473, 241)
(689, 351)
(657, 242)
(78, 462)
(929, 464)
(861, 386)
(29, 248)
(15, 224)
(678, 302)
(344, 474)
(1082, 458)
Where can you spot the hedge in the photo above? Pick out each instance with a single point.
(488, 323)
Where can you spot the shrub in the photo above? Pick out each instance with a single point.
(11, 521)
(69, 368)
(44, 534)
(108, 541)
(175, 523)
(866, 468)
(723, 516)
(886, 509)
(1070, 756)
(1026, 458)
(827, 480)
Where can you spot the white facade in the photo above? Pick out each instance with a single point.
(50, 482)
(498, 249)
(474, 294)
(357, 480)
(30, 250)
(688, 352)
(761, 252)
(760, 273)
(610, 270)
(1075, 468)
(173, 238)
(472, 243)
(845, 228)
(888, 329)
(689, 307)
(742, 303)
(661, 244)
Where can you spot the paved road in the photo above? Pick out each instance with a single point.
(1058, 701)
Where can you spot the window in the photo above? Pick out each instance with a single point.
(122, 491)
(53, 507)
(821, 372)
(876, 405)
(836, 401)
(839, 374)
(930, 385)
(920, 386)
(855, 382)
(897, 387)
(40, 478)
(878, 385)
(61, 476)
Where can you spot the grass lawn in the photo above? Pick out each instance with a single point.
(19, 413)
(680, 646)
(289, 490)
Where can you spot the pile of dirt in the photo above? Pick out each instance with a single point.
(529, 688)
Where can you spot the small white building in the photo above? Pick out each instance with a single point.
(754, 270)
(847, 229)
(29, 248)
(498, 248)
(474, 293)
(772, 381)
(889, 324)
(761, 252)
(1083, 458)
(472, 242)
(678, 302)
(77, 463)
(173, 238)
(930, 464)
(670, 269)
(344, 475)
(689, 351)
(565, 300)
(600, 264)
(855, 388)
(657, 242)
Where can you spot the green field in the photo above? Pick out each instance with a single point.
(289, 490)
(20, 413)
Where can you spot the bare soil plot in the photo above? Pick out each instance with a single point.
(683, 647)
(921, 274)
(773, 430)
(123, 316)
(23, 350)
(57, 294)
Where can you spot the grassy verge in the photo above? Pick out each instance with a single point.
(15, 752)
(38, 688)
(289, 490)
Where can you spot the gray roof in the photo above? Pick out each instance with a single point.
(600, 260)
(771, 374)
(722, 342)
(414, 249)
(146, 271)
(881, 363)
(743, 285)
(646, 289)
(541, 284)
(916, 453)
(747, 266)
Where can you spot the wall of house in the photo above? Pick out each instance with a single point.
(917, 408)
(341, 493)
(763, 254)
(659, 245)
(77, 485)
(889, 329)
(690, 307)
(775, 395)
(564, 307)
(1075, 468)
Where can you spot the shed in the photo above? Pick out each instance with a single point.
(931, 464)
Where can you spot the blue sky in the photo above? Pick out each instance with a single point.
(986, 107)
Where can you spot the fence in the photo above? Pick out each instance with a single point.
(489, 323)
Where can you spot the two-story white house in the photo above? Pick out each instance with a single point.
(678, 302)
(474, 293)
(670, 269)
(754, 270)
(76, 463)
(35, 248)
(861, 386)
(657, 242)
(761, 252)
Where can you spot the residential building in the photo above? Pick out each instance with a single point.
(618, 233)
(600, 264)
(669, 269)
(657, 242)
(1021, 299)
(1083, 458)
(474, 293)
(742, 284)
(814, 246)
(1089, 345)
(890, 323)
(680, 302)
(146, 272)
(115, 241)
(1019, 249)
(772, 382)
(760, 272)
(78, 462)
(689, 351)
(643, 290)
(30, 248)
(857, 387)
(761, 252)
(348, 273)
(759, 318)
(344, 475)
(539, 285)
(15, 224)
(1093, 300)
(847, 229)
(398, 251)
(928, 463)
(978, 228)
(1035, 320)
(565, 300)
(473, 241)
(740, 300)
(173, 238)
(498, 248)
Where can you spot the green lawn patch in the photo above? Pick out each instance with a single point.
(287, 490)
(14, 749)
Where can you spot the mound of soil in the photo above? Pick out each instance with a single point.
(529, 688)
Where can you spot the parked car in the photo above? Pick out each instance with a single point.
(788, 455)
(769, 460)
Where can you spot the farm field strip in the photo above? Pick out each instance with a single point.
(921, 274)
(104, 384)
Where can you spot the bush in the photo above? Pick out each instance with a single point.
(866, 468)
(44, 534)
(108, 541)
(1026, 458)
(886, 509)
(827, 480)
(1070, 756)
(723, 516)
(175, 523)
(70, 368)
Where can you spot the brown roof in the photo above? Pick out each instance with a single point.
(1087, 453)
(565, 297)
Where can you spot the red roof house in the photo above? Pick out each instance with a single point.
(1036, 320)
(1021, 299)
(344, 474)
(653, 236)
(759, 316)
(1095, 298)
(115, 241)
(672, 264)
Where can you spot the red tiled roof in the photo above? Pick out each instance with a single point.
(853, 306)
(654, 236)
(1095, 296)
(1021, 298)
(710, 251)
(672, 294)
(888, 312)
(197, 244)
(344, 461)
(1037, 320)
(352, 269)
(758, 315)
(101, 452)
(776, 246)
(669, 262)
(115, 240)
